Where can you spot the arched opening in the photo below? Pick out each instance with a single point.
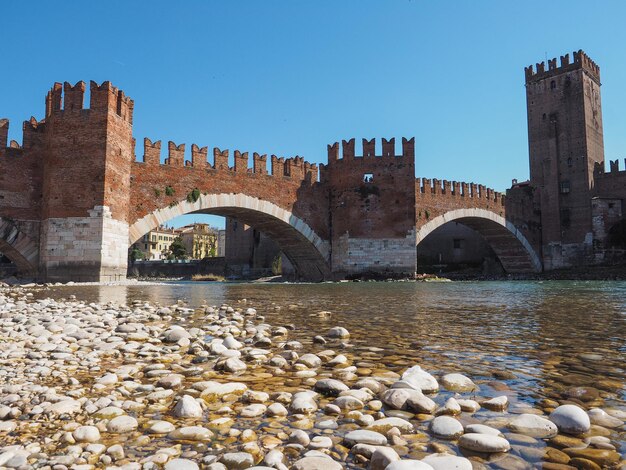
(18, 248)
(305, 250)
(616, 237)
(456, 248)
(511, 248)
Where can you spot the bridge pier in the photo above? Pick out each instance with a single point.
(86, 249)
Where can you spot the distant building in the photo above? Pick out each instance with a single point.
(200, 240)
(155, 244)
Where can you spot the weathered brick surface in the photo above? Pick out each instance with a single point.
(75, 189)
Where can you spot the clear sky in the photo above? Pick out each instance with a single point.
(288, 77)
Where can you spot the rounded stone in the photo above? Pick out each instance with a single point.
(411, 465)
(181, 464)
(363, 436)
(534, 426)
(86, 434)
(446, 427)
(237, 460)
(187, 407)
(191, 433)
(316, 463)
(160, 427)
(484, 443)
(122, 424)
(447, 462)
(330, 387)
(571, 419)
(458, 383)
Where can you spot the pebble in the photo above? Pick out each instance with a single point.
(122, 424)
(181, 464)
(458, 383)
(362, 436)
(534, 426)
(446, 427)
(316, 463)
(447, 462)
(187, 407)
(484, 443)
(86, 434)
(571, 419)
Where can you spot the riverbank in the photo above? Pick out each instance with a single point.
(87, 385)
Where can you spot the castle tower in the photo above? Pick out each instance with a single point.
(565, 141)
(372, 208)
(86, 185)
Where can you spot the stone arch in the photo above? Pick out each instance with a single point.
(19, 248)
(308, 253)
(510, 245)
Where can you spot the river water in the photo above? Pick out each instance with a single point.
(535, 341)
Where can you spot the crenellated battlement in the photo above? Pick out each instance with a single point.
(65, 97)
(32, 135)
(369, 150)
(295, 168)
(458, 189)
(600, 171)
(581, 61)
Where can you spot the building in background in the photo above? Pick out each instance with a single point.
(155, 244)
(200, 240)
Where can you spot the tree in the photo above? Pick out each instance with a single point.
(177, 249)
(135, 254)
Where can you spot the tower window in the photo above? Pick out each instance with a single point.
(544, 116)
(456, 243)
(552, 85)
(368, 177)
(565, 187)
(570, 162)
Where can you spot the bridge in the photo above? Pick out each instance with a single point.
(74, 197)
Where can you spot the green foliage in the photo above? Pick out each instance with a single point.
(157, 192)
(277, 265)
(173, 203)
(169, 191)
(177, 249)
(135, 254)
(194, 195)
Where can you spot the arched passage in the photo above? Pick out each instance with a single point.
(19, 248)
(512, 248)
(307, 252)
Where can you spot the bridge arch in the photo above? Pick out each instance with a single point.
(510, 245)
(308, 253)
(18, 247)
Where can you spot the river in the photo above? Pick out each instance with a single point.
(534, 341)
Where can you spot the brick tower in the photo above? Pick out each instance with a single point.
(86, 183)
(565, 142)
(372, 206)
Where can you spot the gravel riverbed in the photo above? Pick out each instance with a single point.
(85, 385)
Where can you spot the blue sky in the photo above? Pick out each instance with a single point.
(288, 77)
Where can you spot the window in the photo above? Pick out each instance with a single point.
(570, 162)
(611, 205)
(368, 177)
(456, 243)
(565, 187)
(552, 85)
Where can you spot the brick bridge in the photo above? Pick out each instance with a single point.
(74, 196)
